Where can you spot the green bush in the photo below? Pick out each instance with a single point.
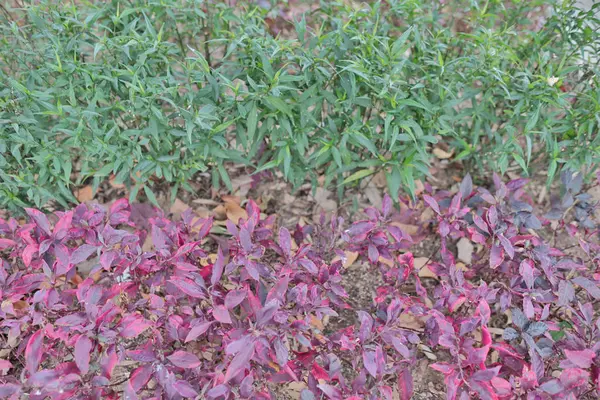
(159, 90)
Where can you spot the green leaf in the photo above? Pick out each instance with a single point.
(252, 122)
(394, 181)
(150, 195)
(358, 175)
(279, 105)
(225, 177)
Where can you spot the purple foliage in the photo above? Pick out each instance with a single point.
(186, 318)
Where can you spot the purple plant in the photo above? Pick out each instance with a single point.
(95, 307)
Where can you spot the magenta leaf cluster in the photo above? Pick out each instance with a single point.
(95, 306)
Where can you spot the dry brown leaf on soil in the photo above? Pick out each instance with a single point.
(234, 212)
(350, 258)
(442, 154)
(177, 208)
(465, 250)
(84, 194)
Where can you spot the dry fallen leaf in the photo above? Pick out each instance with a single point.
(84, 194)
(410, 229)
(235, 212)
(424, 271)
(178, 208)
(465, 250)
(442, 154)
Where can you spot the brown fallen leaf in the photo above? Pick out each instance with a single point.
(227, 198)
(220, 212)
(442, 154)
(410, 229)
(84, 194)
(465, 250)
(234, 212)
(177, 208)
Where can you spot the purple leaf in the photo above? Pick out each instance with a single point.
(133, 325)
(405, 384)
(466, 186)
(492, 217)
(235, 297)
(281, 352)
(285, 241)
(566, 293)
(222, 315)
(496, 256)
(366, 325)
(240, 362)
(309, 266)
(217, 270)
(197, 330)
(526, 270)
(432, 203)
(245, 239)
(140, 376)
(82, 253)
(185, 389)
(330, 391)
(40, 220)
(485, 375)
(83, 348)
(370, 362)
(218, 391)
(590, 286)
(33, 351)
(188, 287)
(184, 359)
(582, 359)
(508, 247)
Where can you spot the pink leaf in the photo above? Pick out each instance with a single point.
(218, 267)
(82, 253)
(109, 361)
(222, 315)
(133, 325)
(188, 287)
(245, 239)
(40, 220)
(185, 389)
(33, 351)
(240, 362)
(370, 363)
(5, 365)
(526, 270)
(140, 376)
(83, 348)
(197, 330)
(496, 256)
(285, 241)
(184, 359)
(581, 358)
(432, 203)
(405, 384)
(6, 243)
(234, 298)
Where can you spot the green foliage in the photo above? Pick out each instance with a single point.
(159, 90)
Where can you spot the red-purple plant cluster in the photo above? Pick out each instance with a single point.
(88, 311)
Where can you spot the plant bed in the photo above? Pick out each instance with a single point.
(92, 306)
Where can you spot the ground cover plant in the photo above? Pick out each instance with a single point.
(185, 314)
(155, 92)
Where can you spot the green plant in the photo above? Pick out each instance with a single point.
(152, 91)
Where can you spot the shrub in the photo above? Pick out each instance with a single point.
(159, 91)
(182, 318)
